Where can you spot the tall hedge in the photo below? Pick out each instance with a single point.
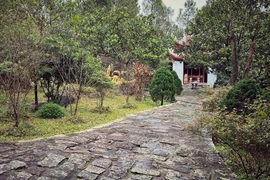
(162, 85)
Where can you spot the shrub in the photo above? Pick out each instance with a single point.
(265, 95)
(162, 85)
(244, 91)
(246, 140)
(222, 80)
(212, 101)
(51, 110)
(177, 83)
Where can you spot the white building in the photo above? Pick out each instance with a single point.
(190, 75)
(196, 74)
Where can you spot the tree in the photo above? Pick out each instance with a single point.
(142, 79)
(72, 64)
(162, 85)
(102, 83)
(114, 29)
(127, 87)
(132, 5)
(50, 81)
(43, 15)
(15, 83)
(186, 16)
(228, 35)
(15, 47)
(132, 39)
(77, 71)
(166, 32)
(162, 17)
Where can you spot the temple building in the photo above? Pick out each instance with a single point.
(190, 75)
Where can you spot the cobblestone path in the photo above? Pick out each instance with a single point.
(149, 145)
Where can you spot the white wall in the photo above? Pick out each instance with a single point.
(211, 79)
(178, 67)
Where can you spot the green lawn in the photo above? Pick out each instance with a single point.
(34, 127)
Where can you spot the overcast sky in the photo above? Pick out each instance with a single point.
(177, 4)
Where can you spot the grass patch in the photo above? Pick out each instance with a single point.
(129, 106)
(34, 127)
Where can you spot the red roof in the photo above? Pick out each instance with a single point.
(175, 57)
(178, 46)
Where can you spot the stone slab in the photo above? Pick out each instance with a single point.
(144, 171)
(94, 169)
(15, 164)
(103, 163)
(51, 160)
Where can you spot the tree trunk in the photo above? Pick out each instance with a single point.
(16, 117)
(234, 76)
(36, 94)
(101, 102)
(77, 103)
(14, 103)
(172, 98)
(162, 98)
(252, 49)
(102, 95)
(78, 98)
(127, 98)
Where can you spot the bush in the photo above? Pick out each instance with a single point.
(243, 135)
(177, 83)
(244, 91)
(246, 140)
(51, 111)
(162, 85)
(222, 80)
(265, 95)
(212, 101)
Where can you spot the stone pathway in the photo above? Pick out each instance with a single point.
(151, 145)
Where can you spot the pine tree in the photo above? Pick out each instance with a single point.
(162, 85)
